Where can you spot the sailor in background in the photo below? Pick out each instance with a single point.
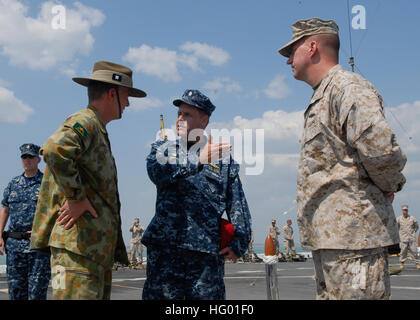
(28, 271)
(408, 226)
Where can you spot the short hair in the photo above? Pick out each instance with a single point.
(96, 89)
(331, 42)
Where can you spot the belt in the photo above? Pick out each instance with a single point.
(16, 235)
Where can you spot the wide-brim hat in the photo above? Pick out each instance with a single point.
(112, 73)
(309, 27)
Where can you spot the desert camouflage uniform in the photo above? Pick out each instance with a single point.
(183, 238)
(289, 243)
(408, 228)
(28, 271)
(349, 159)
(80, 165)
(274, 232)
(136, 245)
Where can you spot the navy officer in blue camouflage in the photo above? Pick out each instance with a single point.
(195, 186)
(28, 271)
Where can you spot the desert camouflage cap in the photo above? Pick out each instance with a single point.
(404, 207)
(196, 99)
(309, 27)
(29, 148)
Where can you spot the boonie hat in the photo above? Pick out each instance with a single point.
(109, 72)
(196, 99)
(309, 27)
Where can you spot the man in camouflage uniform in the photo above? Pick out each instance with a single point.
(28, 271)
(274, 232)
(195, 185)
(289, 243)
(349, 170)
(408, 227)
(136, 246)
(78, 212)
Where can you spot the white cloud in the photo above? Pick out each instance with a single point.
(216, 56)
(34, 43)
(404, 121)
(13, 110)
(277, 89)
(219, 85)
(141, 104)
(159, 62)
(164, 63)
(288, 160)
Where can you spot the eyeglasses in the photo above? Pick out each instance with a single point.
(27, 156)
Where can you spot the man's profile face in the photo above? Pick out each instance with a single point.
(189, 118)
(299, 58)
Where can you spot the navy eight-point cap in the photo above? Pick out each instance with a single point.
(29, 148)
(196, 99)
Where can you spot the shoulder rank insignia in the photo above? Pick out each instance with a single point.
(81, 130)
(214, 167)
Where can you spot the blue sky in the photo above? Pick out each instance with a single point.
(228, 50)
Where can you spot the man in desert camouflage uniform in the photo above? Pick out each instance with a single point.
(136, 246)
(78, 212)
(274, 232)
(408, 227)
(349, 170)
(289, 243)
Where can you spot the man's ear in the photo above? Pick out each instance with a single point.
(205, 121)
(313, 48)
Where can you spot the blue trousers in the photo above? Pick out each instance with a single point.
(180, 274)
(28, 275)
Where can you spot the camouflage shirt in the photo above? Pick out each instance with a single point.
(21, 196)
(274, 232)
(80, 165)
(136, 233)
(191, 201)
(287, 232)
(407, 228)
(349, 159)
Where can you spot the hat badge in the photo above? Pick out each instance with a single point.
(190, 93)
(28, 146)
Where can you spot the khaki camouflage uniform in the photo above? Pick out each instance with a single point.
(289, 243)
(408, 228)
(80, 165)
(349, 159)
(136, 245)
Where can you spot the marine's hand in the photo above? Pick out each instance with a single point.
(390, 196)
(214, 151)
(227, 253)
(72, 210)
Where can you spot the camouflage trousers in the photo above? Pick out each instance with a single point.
(352, 274)
(180, 274)
(75, 277)
(28, 275)
(289, 245)
(409, 247)
(136, 247)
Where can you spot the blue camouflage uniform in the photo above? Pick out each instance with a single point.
(183, 238)
(28, 272)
